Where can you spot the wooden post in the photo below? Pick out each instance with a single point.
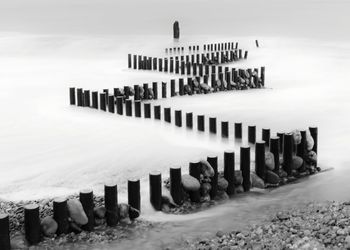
(176, 190)
(171, 68)
(245, 167)
(177, 67)
(251, 134)
(212, 125)
(260, 168)
(189, 120)
(280, 135)
(246, 54)
(106, 92)
(178, 118)
(172, 87)
(32, 224)
(120, 105)
(167, 115)
(80, 97)
(165, 64)
(160, 60)
(155, 90)
(128, 107)
(95, 99)
(147, 110)
(134, 195)
(137, 95)
(111, 104)
(129, 61)
(60, 215)
(157, 114)
(145, 91)
(200, 122)
(274, 149)
(5, 232)
(155, 63)
(155, 187)
(72, 96)
(238, 130)
(224, 129)
(87, 201)
(111, 204)
(103, 101)
(229, 171)
(266, 136)
(137, 108)
(314, 134)
(257, 43)
(195, 171)
(287, 152)
(213, 79)
(213, 161)
(181, 87)
(135, 61)
(262, 76)
(182, 67)
(163, 89)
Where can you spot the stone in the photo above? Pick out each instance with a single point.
(100, 212)
(256, 181)
(205, 198)
(311, 157)
(76, 212)
(296, 136)
(239, 189)
(123, 210)
(347, 242)
(176, 30)
(48, 226)
(222, 184)
(19, 242)
(190, 183)
(297, 162)
(269, 161)
(220, 234)
(282, 216)
(282, 173)
(206, 169)
(98, 221)
(74, 227)
(133, 213)
(205, 188)
(165, 208)
(309, 140)
(204, 86)
(221, 195)
(271, 177)
(238, 178)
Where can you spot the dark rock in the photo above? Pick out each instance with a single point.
(100, 212)
(220, 234)
(222, 184)
(239, 189)
(133, 213)
(48, 226)
(123, 210)
(238, 178)
(74, 227)
(271, 177)
(297, 162)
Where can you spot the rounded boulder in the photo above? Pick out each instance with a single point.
(190, 183)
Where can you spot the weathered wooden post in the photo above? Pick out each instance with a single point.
(176, 30)
(103, 101)
(167, 115)
(181, 87)
(129, 61)
(200, 122)
(160, 61)
(87, 201)
(32, 224)
(262, 72)
(176, 190)
(128, 107)
(147, 110)
(72, 96)
(80, 97)
(94, 99)
(155, 63)
(229, 171)
(287, 152)
(165, 64)
(5, 232)
(137, 108)
(111, 103)
(213, 161)
(238, 130)
(301, 148)
(224, 129)
(111, 204)
(189, 120)
(178, 118)
(280, 135)
(260, 168)
(266, 136)
(155, 90)
(251, 134)
(212, 125)
(246, 54)
(245, 167)
(157, 114)
(274, 149)
(171, 66)
(314, 134)
(172, 87)
(195, 171)
(177, 67)
(120, 105)
(145, 91)
(60, 215)
(107, 94)
(135, 61)
(163, 89)
(134, 195)
(155, 187)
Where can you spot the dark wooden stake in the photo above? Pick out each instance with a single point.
(301, 149)
(95, 99)
(238, 130)
(172, 87)
(280, 135)
(111, 104)
(111, 204)
(163, 89)
(200, 123)
(245, 167)
(314, 134)
(128, 107)
(120, 105)
(189, 120)
(72, 96)
(260, 168)
(176, 190)
(157, 114)
(155, 187)
(167, 115)
(137, 108)
(5, 243)
(288, 152)
(212, 125)
(103, 101)
(155, 90)
(87, 201)
(229, 171)
(178, 118)
(134, 195)
(251, 134)
(147, 110)
(60, 215)
(195, 171)
(80, 97)
(213, 161)
(266, 136)
(274, 149)
(224, 129)
(32, 224)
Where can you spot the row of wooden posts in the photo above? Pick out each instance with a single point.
(31, 213)
(84, 96)
(281, 144)
(155, 63)
(206, 47)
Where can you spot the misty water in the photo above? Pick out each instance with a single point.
(49, 148)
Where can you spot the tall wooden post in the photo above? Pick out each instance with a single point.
(288, 152)
(60, 215)
(189, 120)
(266, 136)
(111, 204)
(238, 130)
(157, 113)
(147, 110)
(213, 161)
(5, 232)
(155, 187)
(260, 168)
(111, 104)
(128, 107)
(245, 167)
(224, 129)
(251, 134)
(137, 108)
(120, 105)
(32, 224)
(229, 171)
(200, 123)
(212, 125)
(178, 118)
(274, 149)
(87, 201)
(176, 190)
(134, 195)
(167, 115)
(72, 96)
